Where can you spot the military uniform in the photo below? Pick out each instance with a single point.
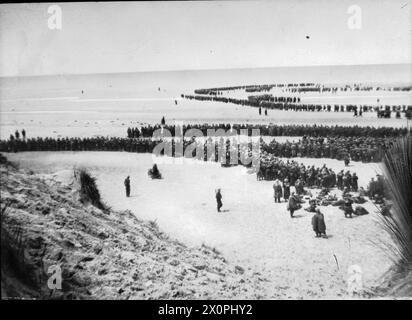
(127, 185)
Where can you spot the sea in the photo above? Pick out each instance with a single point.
(103, 104)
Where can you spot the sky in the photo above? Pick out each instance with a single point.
(107, 37)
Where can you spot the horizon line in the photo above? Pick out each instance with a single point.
(212, 69)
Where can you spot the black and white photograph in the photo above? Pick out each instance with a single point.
(206, 150)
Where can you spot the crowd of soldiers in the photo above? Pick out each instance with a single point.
(361, 148)
(275, 130)
(293, 173)
(357, 148)
(376, 188)
(365, 149)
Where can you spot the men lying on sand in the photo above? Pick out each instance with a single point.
(127, 185)
(326, 200)
(312, 206)
(318, 224)
(360, 211)
(385, 208)
(219, 200)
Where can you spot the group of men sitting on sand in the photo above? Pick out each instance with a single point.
(324, 198)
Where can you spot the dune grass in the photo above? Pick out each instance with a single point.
(397, 168)
(88, 190)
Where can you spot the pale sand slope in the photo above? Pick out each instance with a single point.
(253, 232)
(103, 254)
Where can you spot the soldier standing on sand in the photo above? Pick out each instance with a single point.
(347, 207)
(354, 182)
(347, 180)
(127, 185)
(340, 180)
(219, 200)
(346, 160)
(318, 224)
(286, 189)
(293, 204)
(277, 188)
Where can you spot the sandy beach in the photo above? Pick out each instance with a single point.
(252, 230)
(100, 120)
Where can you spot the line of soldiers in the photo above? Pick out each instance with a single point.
(347, 181)
(301, 87)
(406, 109)
(79, 144)
(365, 149)
(275, 130)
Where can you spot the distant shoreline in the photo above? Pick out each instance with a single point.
(405, 70)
